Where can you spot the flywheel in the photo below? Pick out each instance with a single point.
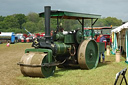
(88, 54)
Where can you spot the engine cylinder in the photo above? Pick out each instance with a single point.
(61, 48)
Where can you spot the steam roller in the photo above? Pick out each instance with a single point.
(63, 49)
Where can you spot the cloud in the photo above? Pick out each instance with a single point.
(114, 8)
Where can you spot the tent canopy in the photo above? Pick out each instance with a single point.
(118, 29)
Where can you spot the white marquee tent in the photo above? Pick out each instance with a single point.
(118, 29)
(120, 38)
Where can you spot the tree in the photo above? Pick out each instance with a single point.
(2, 25)
(21, 19)
(108, 22)
(40, 26)
(11, 22)
(30, 26)
(15, 30)
(33, 17)
(113, 21)
(101, 22)
(1, 18)
(70, 24)
(53, 23)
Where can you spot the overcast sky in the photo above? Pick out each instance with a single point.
(105, 8)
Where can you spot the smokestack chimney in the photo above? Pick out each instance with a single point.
(47, 24)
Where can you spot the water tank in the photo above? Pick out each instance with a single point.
(7, 36)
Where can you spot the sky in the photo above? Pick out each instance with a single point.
(105, 8)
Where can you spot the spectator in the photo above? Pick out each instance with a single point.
(98, 38)
(8, 44)
(102, 38)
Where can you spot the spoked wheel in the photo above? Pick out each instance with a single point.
(88, 54)
(32, 65)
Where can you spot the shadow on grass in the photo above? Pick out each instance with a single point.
(65, 69)
(103, 64)
(59, 70)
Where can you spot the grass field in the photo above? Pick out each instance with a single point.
(10, 73)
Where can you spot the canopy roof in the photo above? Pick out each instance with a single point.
(118, 29)
(71, 15)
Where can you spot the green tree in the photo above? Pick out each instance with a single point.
(2, 26)
(11, 22)
(33, 17)
(30, 26)
(108, 22)
(1, 18)
(21, 19)
(101, 22)
(113, 21)
(15, 30)
(53, 24)
(70, 24)
(40, 26)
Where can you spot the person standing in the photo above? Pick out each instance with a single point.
(8, 44)
(98, 38)
(102, 38)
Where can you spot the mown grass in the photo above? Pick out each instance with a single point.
(10, 73)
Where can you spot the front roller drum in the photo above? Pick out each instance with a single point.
(88, 54)
(36, 60)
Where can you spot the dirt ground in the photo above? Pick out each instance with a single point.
(9, 57)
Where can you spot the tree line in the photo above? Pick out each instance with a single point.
(35, 24)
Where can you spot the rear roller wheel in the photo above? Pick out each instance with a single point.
(88, 54)
(36, 59)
